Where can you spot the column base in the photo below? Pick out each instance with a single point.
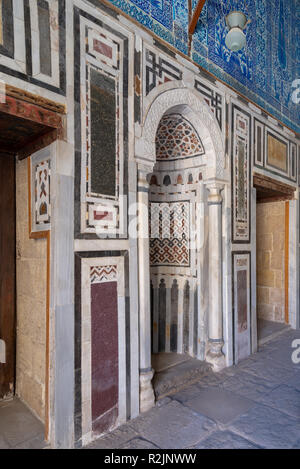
(215, 356)
(147, 399)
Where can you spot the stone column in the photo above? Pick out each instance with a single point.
(146, 372)
(215, 355)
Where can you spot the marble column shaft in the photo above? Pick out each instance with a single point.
(146, 372)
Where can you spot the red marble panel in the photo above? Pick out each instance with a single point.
(103, 49)
(104, 317)
(242, 300)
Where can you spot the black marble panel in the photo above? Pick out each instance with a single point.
(258, 145)
(162, 317)
(186, 307)
(7, 39)
(103, 134)
(174, 317)
(45, 37)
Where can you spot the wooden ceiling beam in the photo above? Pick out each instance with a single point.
(195, 17)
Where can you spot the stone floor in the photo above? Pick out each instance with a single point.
(255, 404)
(267, 330)
(173, 374)
(19, 429)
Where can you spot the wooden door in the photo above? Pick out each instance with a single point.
(7, 274)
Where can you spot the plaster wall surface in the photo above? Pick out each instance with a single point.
(270, 260)
(31, 267)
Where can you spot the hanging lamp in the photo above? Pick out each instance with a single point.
(235, 39)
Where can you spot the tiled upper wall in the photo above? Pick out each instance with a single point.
(264, 71)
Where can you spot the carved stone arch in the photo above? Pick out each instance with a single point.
(167, 99)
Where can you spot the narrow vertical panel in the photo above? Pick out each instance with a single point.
(162, 317)
(155, 319)
(180, 319)
(1, 22)
(186, 304)
(7, 273)
(151, 312)
(104, 321)
(7, 28)
(174, 317)
(241, 135)
(242, 315)
(103, 134)
(168, 317)
(191, 318)
(286, 267)
(242, 300)
(45, 37)
(258, 145)
(195, 328)
(293, 161)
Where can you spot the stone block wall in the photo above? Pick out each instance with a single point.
(31, 265)
(270, 260)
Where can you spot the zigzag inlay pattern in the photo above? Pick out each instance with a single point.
(101, 274)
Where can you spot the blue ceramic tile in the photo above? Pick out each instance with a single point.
(263, 71)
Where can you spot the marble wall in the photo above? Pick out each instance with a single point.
(99, 56)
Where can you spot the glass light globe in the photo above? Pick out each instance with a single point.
(236, 19)
(235, 39)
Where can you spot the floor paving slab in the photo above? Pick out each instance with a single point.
(294, 380)
(18, 424)
(268, 427)
(34, 443)
(225, 440)
(219, 405)
(115, 439)
(270, 370)
(3, 443)
(248, 385)
(284, 398)
(297, 445)
(187, 394)
(173, 426)
(139, 443)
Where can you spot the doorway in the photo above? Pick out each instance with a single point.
(272, 243)
(28, 124)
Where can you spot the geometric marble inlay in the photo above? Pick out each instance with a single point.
(240, 186)
(176, 138)
(169, 224)
(42, 192)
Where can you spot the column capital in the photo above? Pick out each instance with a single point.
(143, 184)
(214, 197)
(143, 171)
